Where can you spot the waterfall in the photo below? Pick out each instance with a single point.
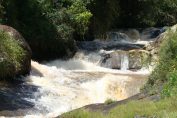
(98, 71)
(60, 86)
(124, 61)
(67, 87)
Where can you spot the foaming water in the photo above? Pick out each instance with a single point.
(124, 62)
(67, 85)
(98, 71)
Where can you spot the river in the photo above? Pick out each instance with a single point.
(100, 70)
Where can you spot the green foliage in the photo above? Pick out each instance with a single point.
(38, 29)
(104, 13)
(113, 14)
(88, 17)
(11, 55)
(166, 11)
(109, 101)
(73, 14)
(58, 22)
(79, 16)
(166, 108)
(164, 77)
(1, 11)
(48, 26)
(167, 59)
(170, 88)
(145, 13)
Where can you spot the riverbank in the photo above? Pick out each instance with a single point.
(166, 108)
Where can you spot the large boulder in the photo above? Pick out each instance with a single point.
(154, 46)
(15, 54)
(138, 59)
(112, 60)
(133, 34)
(132, 59)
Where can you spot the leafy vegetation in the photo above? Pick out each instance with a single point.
(11, 55)
(113, 14)
(109, 101)
(104, 15)
(48, 26)
(1, 11)
(170, 88)
(166, 68)
(58, 23)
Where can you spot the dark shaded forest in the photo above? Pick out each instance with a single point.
(58, 23)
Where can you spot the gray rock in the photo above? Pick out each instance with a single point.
(136, 59)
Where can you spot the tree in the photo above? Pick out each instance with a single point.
(104, 15)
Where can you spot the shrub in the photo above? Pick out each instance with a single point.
(38, 29)
(170, 88)
(48, 26)
(166, 67)
(109, 101)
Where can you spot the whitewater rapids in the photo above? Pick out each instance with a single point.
(79, 83)
(90, 77)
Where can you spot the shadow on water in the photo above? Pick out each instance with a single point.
(16, 95)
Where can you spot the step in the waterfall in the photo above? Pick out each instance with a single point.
(126, 60)
(108, 45)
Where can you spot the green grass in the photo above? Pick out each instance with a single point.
(166, 108)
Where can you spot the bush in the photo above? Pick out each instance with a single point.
(109, 101)
(167, 59)
(38, 29)
(170, 88)
(166, 67)
(48, 26)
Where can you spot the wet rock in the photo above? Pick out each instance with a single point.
(15, 53)
(123, 46)
(90, 45)
(117, 36)
(133, 34)
(130, 35)
(138, 58)
(154, 46)
(112, 60)
(108, 45)
(152, 33)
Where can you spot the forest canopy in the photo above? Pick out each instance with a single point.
(99, 15)
(60, 22)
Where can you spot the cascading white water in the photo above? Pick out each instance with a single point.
(67, 85)
(85, 79)
(124, 61)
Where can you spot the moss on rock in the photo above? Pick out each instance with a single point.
(15, 55)
(139, 59)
